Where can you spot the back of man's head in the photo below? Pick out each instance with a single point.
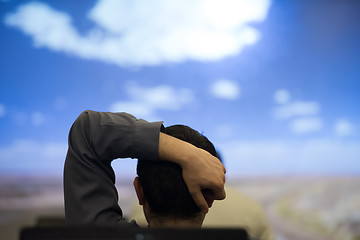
(162, 182)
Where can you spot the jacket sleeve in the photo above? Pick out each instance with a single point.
(95, 139)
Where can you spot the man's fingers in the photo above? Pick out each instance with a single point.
(216, 186)
(200, 201)
(220, 195)
(219, 191)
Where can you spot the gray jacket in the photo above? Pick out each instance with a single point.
(95, 139)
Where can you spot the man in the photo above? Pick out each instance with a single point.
(97, 138)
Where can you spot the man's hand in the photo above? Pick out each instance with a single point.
(201, 170)
(204, 171)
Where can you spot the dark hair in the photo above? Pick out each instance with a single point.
(163, 185)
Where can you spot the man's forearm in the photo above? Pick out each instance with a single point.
(175, 150)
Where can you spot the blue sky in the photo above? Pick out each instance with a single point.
(275, 85)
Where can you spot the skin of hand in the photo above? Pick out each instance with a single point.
(203, 173)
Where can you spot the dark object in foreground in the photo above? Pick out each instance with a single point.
(129, 233)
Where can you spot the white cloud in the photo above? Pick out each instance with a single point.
(282, 96)
(144, 102)
(162, 96)
(296, 109)
(37, 118)
(22, 118)
(47, 26)
(343, 128)
(302, 116)
(224, 88)
(316, 156)
(306, 125)
(136, 108)
(33, 156)
(147, 32)
(2, 110)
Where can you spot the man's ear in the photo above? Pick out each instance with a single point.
(139, 191)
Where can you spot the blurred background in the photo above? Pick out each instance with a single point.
(275, 85)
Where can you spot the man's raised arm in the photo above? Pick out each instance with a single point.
(96, 138)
